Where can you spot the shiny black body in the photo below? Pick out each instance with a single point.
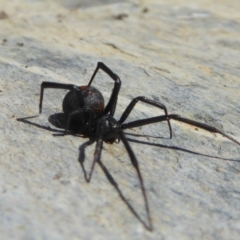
(86, 114)
(81, 116)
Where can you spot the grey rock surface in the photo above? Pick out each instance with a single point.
(183, 54)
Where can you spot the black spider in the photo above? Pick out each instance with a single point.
(85, 113)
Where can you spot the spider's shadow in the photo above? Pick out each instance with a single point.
(26, 120)
(59, 121)
(180, 149)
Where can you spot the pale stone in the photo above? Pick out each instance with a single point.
(184, 54)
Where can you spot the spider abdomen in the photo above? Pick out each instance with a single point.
(92, 99)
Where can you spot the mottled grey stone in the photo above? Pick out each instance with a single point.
(182, 54)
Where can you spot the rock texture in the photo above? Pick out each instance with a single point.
(184, 54)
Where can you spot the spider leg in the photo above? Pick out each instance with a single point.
(114, 96)
(135, 165)
(97, 154)
(150, 102)
(176, 117)
(60, 86)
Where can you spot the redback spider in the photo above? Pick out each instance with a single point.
(85, 113)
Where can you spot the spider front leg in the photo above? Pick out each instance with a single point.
(70, 87)
(176, 117)
(148, 101)
(111, 106)
(134, 162)
(97, 153)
